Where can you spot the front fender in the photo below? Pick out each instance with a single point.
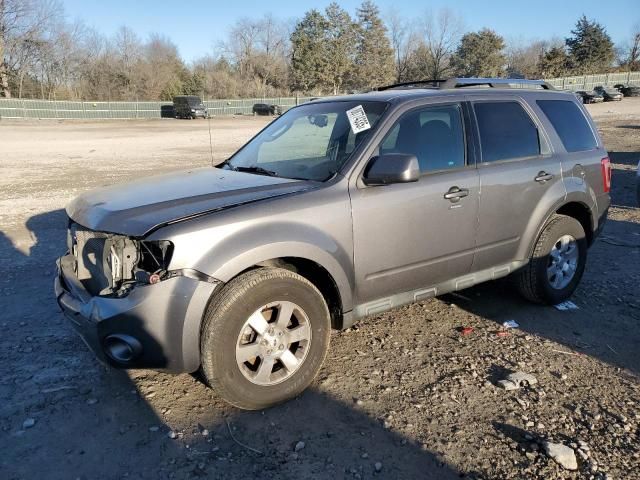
(223, 249)
(241, 253)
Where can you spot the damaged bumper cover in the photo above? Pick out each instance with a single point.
(153, 326)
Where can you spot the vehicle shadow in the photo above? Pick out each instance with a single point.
(93, 421)
(605, 324)
(623, 180)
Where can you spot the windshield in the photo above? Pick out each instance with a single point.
(310, 142)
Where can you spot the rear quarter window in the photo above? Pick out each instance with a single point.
(570, 124)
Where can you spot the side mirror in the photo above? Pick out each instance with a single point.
(392, 168)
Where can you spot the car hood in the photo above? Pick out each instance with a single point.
(139, 207)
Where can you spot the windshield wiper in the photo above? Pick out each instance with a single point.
(254, 169)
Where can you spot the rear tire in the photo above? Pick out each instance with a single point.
(557, 262)
(282, 320)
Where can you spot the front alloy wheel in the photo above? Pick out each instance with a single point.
(273, 343)
(264, 338)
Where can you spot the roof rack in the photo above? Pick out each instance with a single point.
(451, 83)
(415, 84)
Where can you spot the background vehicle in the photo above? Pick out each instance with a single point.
(609, 94)
(628, 90)
(589, 97)
(266, 109)
(189, 106)
(327, 216)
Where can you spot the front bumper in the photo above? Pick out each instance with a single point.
(163, 318)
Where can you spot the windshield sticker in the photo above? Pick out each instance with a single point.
(358, 119)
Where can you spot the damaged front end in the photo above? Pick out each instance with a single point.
(110, 265)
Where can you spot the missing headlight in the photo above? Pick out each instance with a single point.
(155, 257)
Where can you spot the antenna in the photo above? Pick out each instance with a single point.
(210, 140)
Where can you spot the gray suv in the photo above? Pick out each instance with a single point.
(340, 208)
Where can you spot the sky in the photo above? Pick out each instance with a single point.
(198, 26)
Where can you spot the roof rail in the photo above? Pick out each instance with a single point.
(414, 84)
(495, 82)
(451, 83)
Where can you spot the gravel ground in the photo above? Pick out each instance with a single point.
(402, 395)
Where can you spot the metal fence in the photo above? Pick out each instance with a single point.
(61, 109)
(587, 82)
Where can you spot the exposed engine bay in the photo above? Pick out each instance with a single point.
(109, 264)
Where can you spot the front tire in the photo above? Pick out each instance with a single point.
(557, 262)
(264, 338)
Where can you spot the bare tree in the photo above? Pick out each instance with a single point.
(524, 56)
(629, 55)
(442, 32)
(22, 24)
(404, 41)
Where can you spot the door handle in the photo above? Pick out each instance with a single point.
(454, 194)
(543, 177)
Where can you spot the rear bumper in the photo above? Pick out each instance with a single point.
(163, 320)
(604, 201)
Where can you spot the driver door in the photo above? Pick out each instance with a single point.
(407, 236)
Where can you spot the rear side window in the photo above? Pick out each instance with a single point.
(570, 124)
(506, 131)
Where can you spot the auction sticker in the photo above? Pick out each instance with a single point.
(358, 119)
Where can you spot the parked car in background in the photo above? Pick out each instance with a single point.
(628, 90)
(189, 106)
(609, 94)
(341, 208)
(266, 109)
(589, 97)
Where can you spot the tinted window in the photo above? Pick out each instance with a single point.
(570, 124)
(434, 135)
(506, 131)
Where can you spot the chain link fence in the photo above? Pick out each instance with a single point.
(62, 109)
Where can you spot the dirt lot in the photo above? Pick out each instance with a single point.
(402, 394)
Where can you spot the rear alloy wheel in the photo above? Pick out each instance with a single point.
(264, 338)
(557, 262)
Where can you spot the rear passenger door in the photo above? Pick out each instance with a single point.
(517, 169)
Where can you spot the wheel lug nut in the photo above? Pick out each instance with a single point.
(268, 352)
(281, 347)
(279, 334)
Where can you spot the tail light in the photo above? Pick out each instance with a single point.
(605, 165)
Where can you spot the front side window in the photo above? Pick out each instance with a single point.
(310, 142)
(570, 124)
(506, 131)
(435, 135)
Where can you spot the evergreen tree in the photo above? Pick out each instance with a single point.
(480, 54)
(590, 47)
(374, 62)
(554, 63)
(309, 52)
(341, 46)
